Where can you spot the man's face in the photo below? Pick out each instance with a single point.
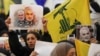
(85, 34)
(29, 15)
(21, 15)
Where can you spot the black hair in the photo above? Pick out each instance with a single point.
(57, 5)
(38, 36)
(95, 5)
(46, 10)
(3, 31)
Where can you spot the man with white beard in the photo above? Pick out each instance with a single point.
(86, 35)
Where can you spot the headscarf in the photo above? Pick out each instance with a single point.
(61, 49)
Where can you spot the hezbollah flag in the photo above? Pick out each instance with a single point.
(81, 48)
(7, 4)
(63, 19)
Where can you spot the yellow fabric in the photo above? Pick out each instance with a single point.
(0, 6)
(62, 20)
(7, 4)
(81, 48)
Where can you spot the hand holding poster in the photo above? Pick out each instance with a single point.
(26, 16)
(44, 48)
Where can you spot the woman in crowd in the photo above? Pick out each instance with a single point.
(16, 46)
(30, 40)
(64, 48)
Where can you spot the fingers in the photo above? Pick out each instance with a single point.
(93, 40)
(44, 21)
(7, 22)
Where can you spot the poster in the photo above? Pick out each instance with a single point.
(94, 50)
(85, 32)
(26, 16)
(44, 48)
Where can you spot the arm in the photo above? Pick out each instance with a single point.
(46, 36)
(15, 45)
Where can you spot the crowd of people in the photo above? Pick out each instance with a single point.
(13, 47)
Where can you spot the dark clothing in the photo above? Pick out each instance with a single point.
(23, 31)
(18, 49)
(16, 46)
(5, 52)
(3, 26)
(95, 6)
(97, 31)
(2, 16)
(20, 32)
(46, 37)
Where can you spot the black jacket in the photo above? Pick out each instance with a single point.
(46, 37)
(2, 25)
(16, 46)
(97, 31)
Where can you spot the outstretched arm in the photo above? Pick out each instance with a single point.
(15, 45)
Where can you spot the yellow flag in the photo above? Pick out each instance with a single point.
(81, 48)
(0, 6)
(7, 4)
(63, 19)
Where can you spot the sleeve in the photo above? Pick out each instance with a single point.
(97, 31)
(46, 37)
(15, 45)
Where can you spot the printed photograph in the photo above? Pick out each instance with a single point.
(85, 33)
(26, 16)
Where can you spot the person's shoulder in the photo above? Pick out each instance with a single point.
(1, 20)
